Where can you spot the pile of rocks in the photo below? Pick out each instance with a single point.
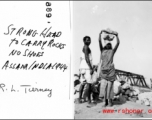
(134, 94)
(145, 98)
(123, 89)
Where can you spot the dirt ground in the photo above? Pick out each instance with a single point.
(85, 111)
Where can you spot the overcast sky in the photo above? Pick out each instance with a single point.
(131, 19)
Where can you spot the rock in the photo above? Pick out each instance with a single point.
(131, 94)
(122, 99)
(126, 85)
(133, 99)
(145, 98)
(76, 88)
(147, 102)
(146, 95)
(76, 95)
(117, 86)
(142, 102)
(77, 112)
(136, 91)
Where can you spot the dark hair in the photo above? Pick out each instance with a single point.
(84, 39)
(108, 46)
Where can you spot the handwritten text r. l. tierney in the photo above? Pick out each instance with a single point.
(26, 88)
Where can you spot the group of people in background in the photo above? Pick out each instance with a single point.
(97, 80)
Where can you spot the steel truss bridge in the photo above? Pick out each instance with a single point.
(132, 78)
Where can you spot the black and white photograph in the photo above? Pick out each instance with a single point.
(111, 59)
(75, 59)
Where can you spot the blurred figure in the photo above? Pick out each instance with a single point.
(95, 85)
(107, 73)
(86, 66)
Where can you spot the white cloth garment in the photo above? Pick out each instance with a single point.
(84, 67)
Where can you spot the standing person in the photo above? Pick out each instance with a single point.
(107, 73)
(86, 66)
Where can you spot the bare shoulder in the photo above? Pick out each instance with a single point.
(86, 49)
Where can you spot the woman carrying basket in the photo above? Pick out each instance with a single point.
(107, 71)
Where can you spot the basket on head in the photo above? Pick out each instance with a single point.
(108, 36)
